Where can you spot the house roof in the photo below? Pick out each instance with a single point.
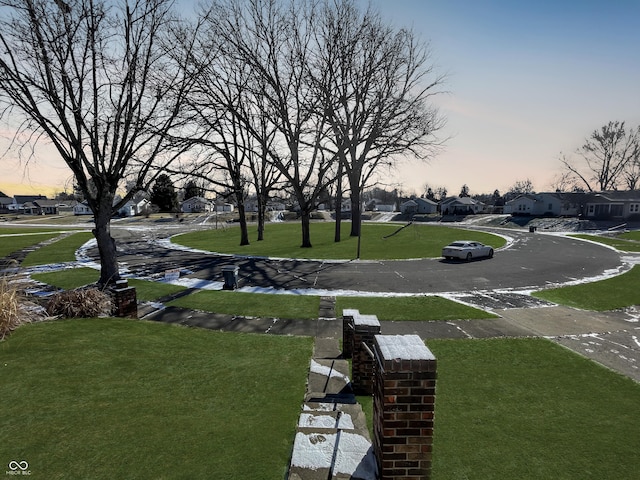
(46, 203)
(28, 198)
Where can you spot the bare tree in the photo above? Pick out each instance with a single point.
(96, 81)
(375, 83)
(275, 40)
(606, 155)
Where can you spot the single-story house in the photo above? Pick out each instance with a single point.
(461, 206)
(535, 204)
(419, 205)
(196, 205)
(134, 207)
(409, 207)
(613, 205)
(224, 207)
(82, 208)
(21, 202)
(7, 203)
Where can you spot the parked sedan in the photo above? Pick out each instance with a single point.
(466, 250)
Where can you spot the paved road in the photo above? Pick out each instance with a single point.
(530, 261)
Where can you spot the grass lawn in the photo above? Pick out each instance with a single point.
(60, 251)
(378, 241)
(78, 277)
(411, 308)
(251, 304)
(627, 242)
(610, 294)
(11, 244)
(529, 409)
(113, 398)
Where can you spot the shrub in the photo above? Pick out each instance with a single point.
(15, 308)
(81, 302)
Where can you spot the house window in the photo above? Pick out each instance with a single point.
(617, 210)
(591, 209)
(550, 208)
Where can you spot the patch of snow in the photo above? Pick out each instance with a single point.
(309, 420)
(315, 367)
(405, 347)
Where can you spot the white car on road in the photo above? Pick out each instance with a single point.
(467, 250)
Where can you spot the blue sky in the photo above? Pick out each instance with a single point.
(526, 81)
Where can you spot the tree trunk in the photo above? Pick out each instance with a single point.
(106, 245)
(306, 233)
(262, 209)
(338, 208)
(356, 212)
(244, 233)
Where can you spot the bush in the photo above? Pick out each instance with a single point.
(15, 309)
(81, 302)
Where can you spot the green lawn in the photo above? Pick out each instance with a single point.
(610, 294)
(61, 251)
(530, 409)
(411, 308)
(252, 304)
(378, 241)
(78, 277)
(11, 244)
(627, 242)
(113, 398)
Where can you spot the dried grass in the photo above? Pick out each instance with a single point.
(15, 307)
(81, 302)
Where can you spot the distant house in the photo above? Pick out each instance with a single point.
(197, 205)
(7, 204)
(535, 204)
(613, 205)
(461, 206)
(133, 207)
(46, 207)
(409, 207)
(82, 208)
(21, 202)
(224, 207)
(419, 205)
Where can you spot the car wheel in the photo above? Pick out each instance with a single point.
(469, 257)
(490, 253)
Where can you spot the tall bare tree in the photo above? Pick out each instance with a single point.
(96, 80)
(605, 156)
(375, 83)
(275, 40)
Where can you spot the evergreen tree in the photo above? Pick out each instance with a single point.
(163, 194)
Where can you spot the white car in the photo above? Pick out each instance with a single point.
(466, 250)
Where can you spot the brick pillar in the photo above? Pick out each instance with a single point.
(126, 302)
(365, 327)
(348, 314)
(403, 407)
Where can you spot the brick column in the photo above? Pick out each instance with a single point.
(125, 299)
(403, 407)
(365, 327)
(348, 314)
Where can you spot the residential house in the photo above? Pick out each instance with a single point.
(461, 206)
(419, 205)
(135, 206)
(196, 205)
(537, 204)
(46, 207)
(7, 204)
(82, 208)
(613, 205)
(21, 200)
